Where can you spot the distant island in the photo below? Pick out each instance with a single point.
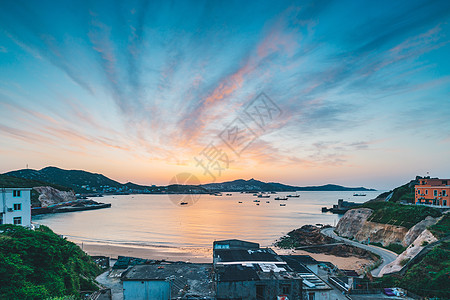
(241, 185)
(87, 183)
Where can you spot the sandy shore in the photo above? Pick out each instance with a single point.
(204, 255)
(197, 255)
(346, 263)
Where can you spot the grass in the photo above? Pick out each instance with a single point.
(429, 278)
(399, 214)
(441, 228)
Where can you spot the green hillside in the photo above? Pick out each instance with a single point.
(430, 277)
(11, 182)
(74, 179)
(399, 214)
(40, 264)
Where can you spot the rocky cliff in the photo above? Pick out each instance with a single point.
(49, 195)
(424, 238)
(355, 224)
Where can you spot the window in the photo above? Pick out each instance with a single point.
(17, 220)
(444, 193)
(311, 296)
(444, 203)
(418, 192)
(285, 289)
(16, 193)
(426, 192)
(17, 206)
(435, 193)
(260, 292)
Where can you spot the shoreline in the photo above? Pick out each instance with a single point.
(195, 255)
(204, 255)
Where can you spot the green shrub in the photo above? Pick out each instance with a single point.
(397, 248)
(441, 228)
(403, 262)
(39, 264)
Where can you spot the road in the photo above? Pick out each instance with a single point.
(386, 255)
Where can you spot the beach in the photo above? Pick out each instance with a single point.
(194, 255)
(203, 255)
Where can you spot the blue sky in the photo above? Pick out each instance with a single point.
(136, 90)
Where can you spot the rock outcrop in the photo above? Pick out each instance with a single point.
(350, 224)
(416, 246)
(417, 229)
(355, 224)
(49, 195)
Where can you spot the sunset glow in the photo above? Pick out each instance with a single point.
(136, 90)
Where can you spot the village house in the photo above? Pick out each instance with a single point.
(433, 191)
(240, 270)
(15, 206)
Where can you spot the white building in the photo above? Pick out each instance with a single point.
(15, 206)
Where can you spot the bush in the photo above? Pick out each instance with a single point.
(403, 262)
(441, 228)
(397, 248)
(39, 264)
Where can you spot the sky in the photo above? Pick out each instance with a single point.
(354, 93)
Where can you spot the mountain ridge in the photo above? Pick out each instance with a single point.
(87, 182)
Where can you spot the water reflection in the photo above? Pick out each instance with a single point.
(154, 220)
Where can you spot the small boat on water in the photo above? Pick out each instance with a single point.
(280, 198)
(183, 203)
(256, 200)
(263, 196)
(240, 202)
(267, 201)
(255, 194)
(257, 203)
(293, 196)
(282, 204)
(229, 195)
(356, 194)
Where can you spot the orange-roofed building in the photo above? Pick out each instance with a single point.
(433, 191)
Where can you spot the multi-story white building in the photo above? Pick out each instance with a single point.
(15, 206)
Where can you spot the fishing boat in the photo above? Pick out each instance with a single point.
(280, 198)
(256, 200)
(183, 203)
(293, 196)
(359, 195)
(282, 204)
(267, 201)
(229, 194)
(240, 202)
(263, 196)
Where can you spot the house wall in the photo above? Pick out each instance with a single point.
(247, 289)
(7, 202)
(318, 295)
(425, 194)
(146, 290)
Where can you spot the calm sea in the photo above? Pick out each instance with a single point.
(154, 220)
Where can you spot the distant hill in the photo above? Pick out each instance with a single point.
(7, 181)
(16, 182)
(86, 182)
(256, 185)
(78, 180)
